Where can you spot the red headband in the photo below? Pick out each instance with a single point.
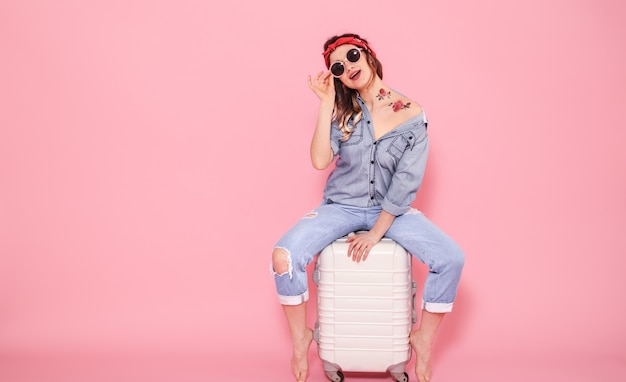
(342, 41)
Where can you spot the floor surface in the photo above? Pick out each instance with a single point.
(275, 367)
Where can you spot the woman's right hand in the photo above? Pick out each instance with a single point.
(323, 85)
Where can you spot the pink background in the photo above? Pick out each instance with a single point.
(152, 152)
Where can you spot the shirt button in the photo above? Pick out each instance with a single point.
(371, 197)
(372, 162)
(368, 122)
(371, 182)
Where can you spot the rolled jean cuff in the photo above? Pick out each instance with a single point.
(437, 307)
(294, 300)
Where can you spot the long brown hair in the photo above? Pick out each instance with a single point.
(346, 104)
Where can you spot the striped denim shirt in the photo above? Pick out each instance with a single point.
(386, 172)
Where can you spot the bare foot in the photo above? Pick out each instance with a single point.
(300, 358)
(422, 350)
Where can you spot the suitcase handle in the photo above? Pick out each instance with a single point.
(414, 289)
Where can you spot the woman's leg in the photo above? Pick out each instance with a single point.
(422, 341)
(445, 261)
(293, 252)
(301, 337)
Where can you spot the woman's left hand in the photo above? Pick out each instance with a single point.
(361, 244)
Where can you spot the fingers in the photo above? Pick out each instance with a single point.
(315, 80)
(361, 245)
(323, 75)
(322, 85)
(359, 250)
(321, 79)
(365, 253)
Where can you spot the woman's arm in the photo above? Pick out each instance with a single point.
(321, 151)
(323, 86)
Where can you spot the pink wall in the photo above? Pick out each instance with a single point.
(152, 152)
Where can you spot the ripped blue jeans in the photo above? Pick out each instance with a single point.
(413, 231)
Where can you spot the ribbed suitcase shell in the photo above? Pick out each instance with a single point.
(365, 310)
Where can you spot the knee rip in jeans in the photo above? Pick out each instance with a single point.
(413, 211)
(281, 262)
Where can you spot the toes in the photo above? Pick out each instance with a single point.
(300, 377)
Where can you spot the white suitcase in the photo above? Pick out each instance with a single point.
(365, 310)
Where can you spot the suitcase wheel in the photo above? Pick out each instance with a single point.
(335, 376)
(404, 377)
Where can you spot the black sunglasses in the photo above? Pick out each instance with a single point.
(337, 69)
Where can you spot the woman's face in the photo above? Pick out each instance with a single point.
(356, 72)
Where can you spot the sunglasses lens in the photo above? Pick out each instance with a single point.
(336, 69)
(353, 55)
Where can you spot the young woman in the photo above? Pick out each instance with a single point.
(379, 140)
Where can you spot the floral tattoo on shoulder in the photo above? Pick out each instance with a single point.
(399, 105)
